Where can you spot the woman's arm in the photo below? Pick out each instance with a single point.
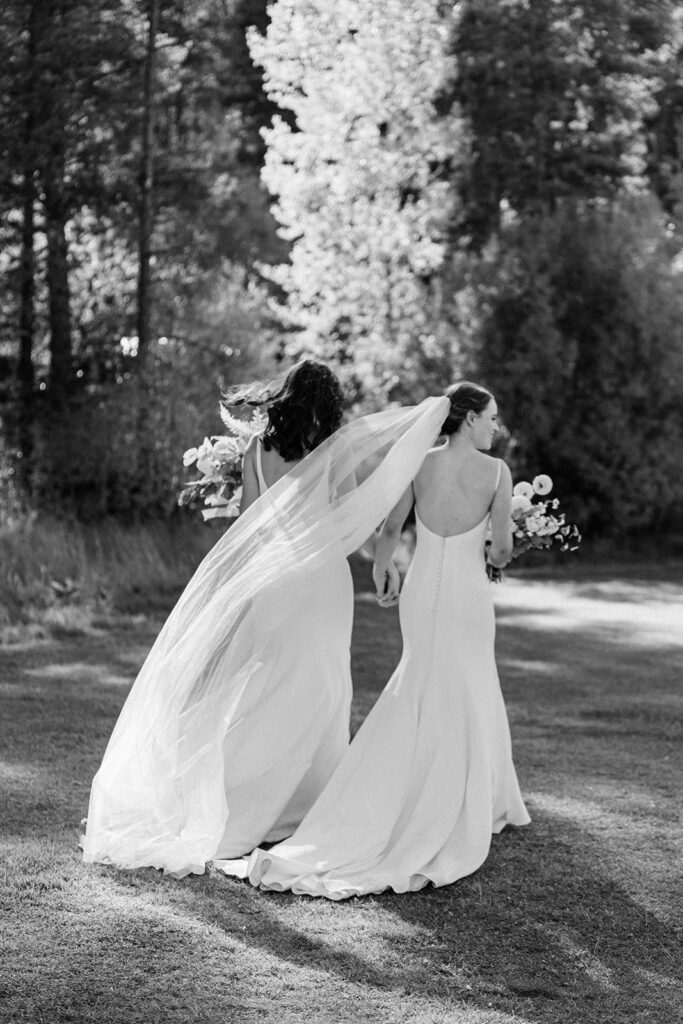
(384, 572)
(250, 487)
(501, 522)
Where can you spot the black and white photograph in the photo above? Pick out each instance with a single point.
(341, 511)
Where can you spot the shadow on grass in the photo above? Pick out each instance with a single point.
(548, 929)
(545, 921)
(540, 931)
(60, 700)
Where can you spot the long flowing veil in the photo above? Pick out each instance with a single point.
(159, 796)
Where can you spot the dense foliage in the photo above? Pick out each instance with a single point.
(358, 174)
(581, 338)
(133, 220)
(482, 187)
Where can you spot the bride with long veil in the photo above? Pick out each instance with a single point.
(429, 777)
(240, 712)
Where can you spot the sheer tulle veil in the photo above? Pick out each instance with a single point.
(159, 796)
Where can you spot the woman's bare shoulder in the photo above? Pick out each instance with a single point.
(435, 456)
(431, 462)
(505, 473)
(488, 465)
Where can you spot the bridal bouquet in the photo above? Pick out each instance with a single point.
(219, 460)
(537, 523)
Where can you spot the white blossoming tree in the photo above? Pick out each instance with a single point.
(357, 173)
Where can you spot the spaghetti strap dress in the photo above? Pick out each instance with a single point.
(429, 777)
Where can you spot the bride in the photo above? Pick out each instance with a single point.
(429, 776)
(240, 712)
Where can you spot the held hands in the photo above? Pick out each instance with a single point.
(494, 572)
(387, 584)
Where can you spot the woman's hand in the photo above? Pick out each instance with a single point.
(387, 584)
(494, 570)
(384, 573)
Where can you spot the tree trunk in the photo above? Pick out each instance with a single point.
(146, 212)
(58, 273)
(25, 372)
(53, 161)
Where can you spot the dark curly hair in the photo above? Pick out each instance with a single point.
(464, 397)
(303, 409)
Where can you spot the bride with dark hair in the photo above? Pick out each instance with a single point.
(429, 777)
(303, 411)
(240, 713)
(272, 774)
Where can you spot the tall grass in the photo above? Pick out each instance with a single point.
(51, 569)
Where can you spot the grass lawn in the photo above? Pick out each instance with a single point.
(575, 919)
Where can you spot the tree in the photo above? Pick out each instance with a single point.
(58, 55)
(76, 127)
(558, 96)
(146, 213)
(25, 372)
(665, 156)
(580, 337)
(356, 165)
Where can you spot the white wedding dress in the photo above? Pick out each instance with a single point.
(240, 713)
(291, 726)
(429, 776)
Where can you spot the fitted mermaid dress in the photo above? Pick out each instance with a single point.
(429, 777)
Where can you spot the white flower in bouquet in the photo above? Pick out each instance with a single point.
(219, 460)
(533, 526)
(542, 484)
(227, 449)
(520, 503)
(523, 489)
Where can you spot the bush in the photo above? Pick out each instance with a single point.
(57, 572)
(114, 448)
(580, 335)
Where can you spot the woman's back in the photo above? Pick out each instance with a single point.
(455, 490)
(270, 466)
(303, 410)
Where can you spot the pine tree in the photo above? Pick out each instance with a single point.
(557, 96)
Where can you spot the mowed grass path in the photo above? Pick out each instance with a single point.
(575, 919)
